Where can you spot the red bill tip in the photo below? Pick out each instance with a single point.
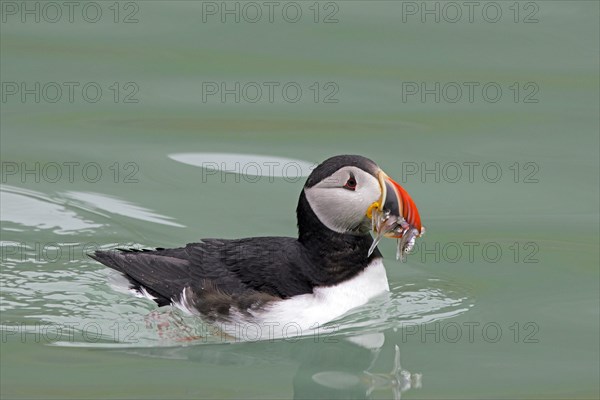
(409, 208)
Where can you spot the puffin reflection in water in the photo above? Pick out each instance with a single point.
(333, 266)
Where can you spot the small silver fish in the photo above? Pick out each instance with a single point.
(394, 215)
(385, 224)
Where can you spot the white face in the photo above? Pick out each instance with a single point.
(340, 208)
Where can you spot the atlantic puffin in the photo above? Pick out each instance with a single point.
(286, 285)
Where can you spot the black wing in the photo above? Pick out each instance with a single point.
(218, 272)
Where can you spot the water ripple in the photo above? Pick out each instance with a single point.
(36, 210)
(121, 207)
(76, 307)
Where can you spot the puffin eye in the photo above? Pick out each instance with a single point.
(350, 183)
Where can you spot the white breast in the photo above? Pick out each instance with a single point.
(301, 315)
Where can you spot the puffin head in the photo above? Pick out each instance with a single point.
(350, 194)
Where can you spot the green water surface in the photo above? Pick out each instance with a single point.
(500, 300)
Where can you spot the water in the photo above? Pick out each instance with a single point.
(498, 300)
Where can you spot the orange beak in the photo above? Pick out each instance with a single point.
(396, 202)
(395, 215)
